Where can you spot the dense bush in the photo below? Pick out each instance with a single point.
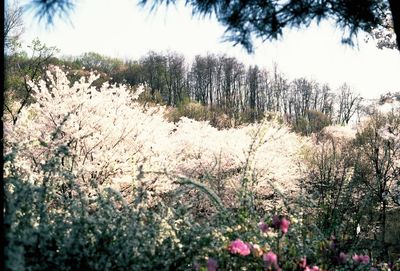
(330, 184)
(354, 183)
(193, 110)
(52, 224)
(313, 122)
(378, 170)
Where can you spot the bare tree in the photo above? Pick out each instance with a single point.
(175, 76)
(22, 69)
(199, 80)
(13, 24)
(252, 95)
(349, 104)
(153, 69)
(378, 167)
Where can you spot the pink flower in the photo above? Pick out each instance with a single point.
(212, 265)
(342, 257)
(270, 258)
(356, 258)
(239, 247)
(284, 226)
(314, 268)
(364, 259)
(303, 262)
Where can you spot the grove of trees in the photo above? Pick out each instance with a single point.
(215, 82)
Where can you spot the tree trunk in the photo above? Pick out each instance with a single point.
(384, 251)
(395, 9)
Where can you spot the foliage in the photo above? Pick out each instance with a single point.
(378, 168)
(354, 184)
(49, 9)
(217, 118)
(13, 25)
(314, 122)
(51, 223)
(95, 61)
(231, 93)
(330, 184)
(385, 36)
(266, 20)
(20, 69)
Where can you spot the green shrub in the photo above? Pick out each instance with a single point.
(194, 110)
(313, 122)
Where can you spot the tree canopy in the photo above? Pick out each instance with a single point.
(248, 19)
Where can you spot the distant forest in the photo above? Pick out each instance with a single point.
(212, 85)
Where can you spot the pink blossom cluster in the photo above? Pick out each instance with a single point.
(271, 261)
(314, 268)
(239, 247)
(281, 223)
(303, 265)
(363, 259)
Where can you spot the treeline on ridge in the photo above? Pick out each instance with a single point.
(217, 88)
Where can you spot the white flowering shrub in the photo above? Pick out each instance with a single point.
(112, 139)
(75, 142)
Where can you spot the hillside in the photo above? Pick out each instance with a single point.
(93, 172)
(126, 138)
(120, 134)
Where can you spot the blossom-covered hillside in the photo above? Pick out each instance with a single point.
(186, 195)
(113, 137)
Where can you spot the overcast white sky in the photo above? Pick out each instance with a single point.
(121, 29)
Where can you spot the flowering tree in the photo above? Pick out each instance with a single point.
(112, 140)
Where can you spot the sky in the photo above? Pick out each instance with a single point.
(121, 29)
